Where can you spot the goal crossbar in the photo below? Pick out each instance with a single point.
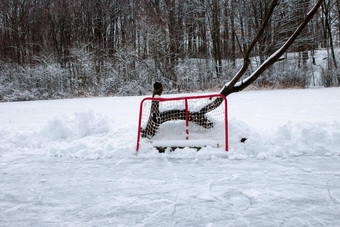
(186, 118)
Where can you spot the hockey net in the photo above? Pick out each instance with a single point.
(179, 122)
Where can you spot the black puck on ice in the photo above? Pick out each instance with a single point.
(243, 140)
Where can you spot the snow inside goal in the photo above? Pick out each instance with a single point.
(183, 122)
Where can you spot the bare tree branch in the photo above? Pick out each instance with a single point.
(233, 86)
(246, 59)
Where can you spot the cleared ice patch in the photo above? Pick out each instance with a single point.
(333, 188)
(252, 194)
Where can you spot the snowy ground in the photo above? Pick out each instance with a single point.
(73, 162)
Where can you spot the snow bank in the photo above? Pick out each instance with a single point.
(79, 126)
(87, 135)
(285, 123)
(290, 140)
(84, 135)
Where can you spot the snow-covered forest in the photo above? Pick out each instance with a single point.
(58, 49)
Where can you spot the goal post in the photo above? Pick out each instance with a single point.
(180, 122)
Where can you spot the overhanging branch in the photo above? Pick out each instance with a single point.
(235, 85)
(276, 56)
(246, 59)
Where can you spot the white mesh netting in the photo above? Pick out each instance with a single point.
(163, 123)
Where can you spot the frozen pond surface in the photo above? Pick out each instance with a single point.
(73, 162)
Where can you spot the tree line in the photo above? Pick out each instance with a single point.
(68, 48)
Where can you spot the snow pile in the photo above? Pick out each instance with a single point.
(290, 140)
(84, 135)
(88, 135)
(79, 126)
(96, 128)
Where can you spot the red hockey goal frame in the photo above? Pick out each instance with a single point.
(187, 111)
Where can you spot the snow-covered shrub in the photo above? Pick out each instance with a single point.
(292, 77)
(330, 77)
(111, 85)
(131, 88)
(200, 74)
(32, 82)
(126, 73)
(289, 76)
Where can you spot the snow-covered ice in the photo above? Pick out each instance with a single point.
(73, 162)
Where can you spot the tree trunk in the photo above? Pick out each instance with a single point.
(233, 35)
(326, 12)
(216, 38)
(337, 3)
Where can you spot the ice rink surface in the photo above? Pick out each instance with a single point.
(73, 163)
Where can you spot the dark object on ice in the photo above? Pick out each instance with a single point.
(243, 140)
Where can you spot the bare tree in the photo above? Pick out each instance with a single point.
(216, 37)
(236, 84)
(337, 4)
(326, 10)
